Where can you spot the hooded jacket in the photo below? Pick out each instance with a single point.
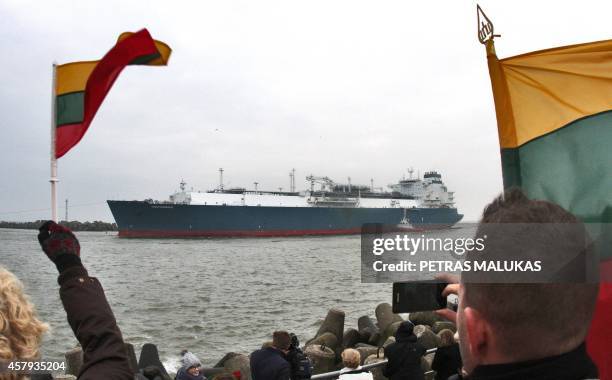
(404, 356)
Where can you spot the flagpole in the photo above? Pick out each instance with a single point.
(53, 178)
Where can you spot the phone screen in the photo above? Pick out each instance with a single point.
(409, 297)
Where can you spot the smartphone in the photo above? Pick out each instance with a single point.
(414, 296)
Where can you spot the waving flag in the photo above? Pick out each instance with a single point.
(554, 118)
(80, 87)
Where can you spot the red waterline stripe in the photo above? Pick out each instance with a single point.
(187, 233)
(273, 233)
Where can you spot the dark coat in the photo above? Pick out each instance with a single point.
(183, 375)
(94, 326)
(269, 364)
(573, 365)
(447, 361)
(404, 355)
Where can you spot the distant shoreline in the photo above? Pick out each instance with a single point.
(73, 225)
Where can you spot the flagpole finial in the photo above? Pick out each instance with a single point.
(485, 27)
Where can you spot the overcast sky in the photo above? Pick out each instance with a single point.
(364, 89)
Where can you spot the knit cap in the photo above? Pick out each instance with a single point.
(190, 360)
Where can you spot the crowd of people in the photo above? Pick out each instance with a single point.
(528, 335)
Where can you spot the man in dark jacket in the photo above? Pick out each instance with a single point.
(404, 356)
(88, 312)
(269, 363)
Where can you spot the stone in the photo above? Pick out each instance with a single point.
(351, 338)
(366, 322)
(425, 318)
(131, 354)
(374, 339)
(385, 316)
(225, 358)
(389, 332)
(441, 325)
(418, 329)
(364, 336)
(367, 329)
(74, 361)
(389, 340)
(239, 362)
(428, 339)
(333, 323)
(149, 356)
(426, 361)
(377, 372)
(323, 358)
(327, 339)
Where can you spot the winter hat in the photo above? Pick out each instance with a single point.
(190, 360)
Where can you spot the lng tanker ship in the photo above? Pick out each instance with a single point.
(330, 209)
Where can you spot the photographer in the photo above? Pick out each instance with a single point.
(301, 368)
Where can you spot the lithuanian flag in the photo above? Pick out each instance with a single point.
(80, 87)
(554, 119)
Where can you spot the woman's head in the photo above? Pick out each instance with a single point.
(447, 337)
(20, 329)
(191, 363)
(194, 371)
(351, 358)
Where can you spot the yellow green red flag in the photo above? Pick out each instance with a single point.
(554, 118)
(80, 87)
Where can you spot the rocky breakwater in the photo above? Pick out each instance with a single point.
(370, 337)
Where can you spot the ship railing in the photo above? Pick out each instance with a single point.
(335, 374)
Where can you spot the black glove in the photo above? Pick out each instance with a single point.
(60, 245)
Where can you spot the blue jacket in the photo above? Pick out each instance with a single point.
(269, 364)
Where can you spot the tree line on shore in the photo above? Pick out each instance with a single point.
(74, 225)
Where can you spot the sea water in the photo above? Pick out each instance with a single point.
(211, 296)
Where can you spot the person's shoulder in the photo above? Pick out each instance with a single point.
(391, 346)
(284, 362)
(443, 349)
(257, 353)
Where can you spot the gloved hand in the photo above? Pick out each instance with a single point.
(57, 240)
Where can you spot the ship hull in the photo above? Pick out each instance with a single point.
(149, 220)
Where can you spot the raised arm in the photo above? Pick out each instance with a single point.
(88, 312)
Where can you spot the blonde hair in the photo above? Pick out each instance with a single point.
(20, 329)
(351, 358)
